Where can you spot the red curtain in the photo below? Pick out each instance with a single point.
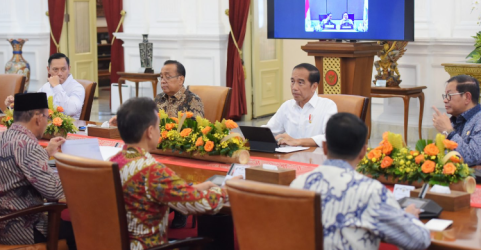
(112, 9)
(238, 12)
(56, 9)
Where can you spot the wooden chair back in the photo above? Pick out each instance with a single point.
(95, 200)
(10, 84)
(354, 104)
(89, 98)
(268, 216)
(216, 100)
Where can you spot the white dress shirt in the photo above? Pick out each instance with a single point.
(70, 95)
(306, 122)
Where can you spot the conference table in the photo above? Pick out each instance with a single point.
(465, 232)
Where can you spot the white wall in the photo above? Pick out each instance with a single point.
(193, 32)
(26, 19)
(443, 30)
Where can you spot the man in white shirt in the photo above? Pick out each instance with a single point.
(66, 92)
(358, 212)
(302, 121)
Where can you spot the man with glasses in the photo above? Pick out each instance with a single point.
(25, 177)
(464, 126)
(176, 97)
(66, 92)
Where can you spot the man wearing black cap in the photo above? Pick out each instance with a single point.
(358, 212)
(25, 177)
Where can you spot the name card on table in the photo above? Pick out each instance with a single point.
(401, 191)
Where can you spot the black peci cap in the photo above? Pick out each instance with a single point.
(30, 101)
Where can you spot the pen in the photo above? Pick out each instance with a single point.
(116, 144)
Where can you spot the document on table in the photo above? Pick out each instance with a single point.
(108, 151)
(290, 149)
(87, 148)
(438, 224)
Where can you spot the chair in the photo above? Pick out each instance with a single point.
(89, 98)
(54, 210)
(10, 84)
(96, 204)
(216, 100)
(353, 104)
(268, 216)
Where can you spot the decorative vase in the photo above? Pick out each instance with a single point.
(18, 65)
(145, 49)
(239, 156)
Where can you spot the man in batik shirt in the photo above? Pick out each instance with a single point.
(358, 212)
(149, 187)
(25, 177)
(175, 96)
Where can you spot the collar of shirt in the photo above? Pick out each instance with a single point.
(467, 115)
(176, 96)
(337, 163)
(23, 130)
(312, 101)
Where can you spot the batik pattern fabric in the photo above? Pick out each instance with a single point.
(150, 188)
(25, 180)
(467, 134)
(184, 101)
(359, 212)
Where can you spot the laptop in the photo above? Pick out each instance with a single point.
(260, 138)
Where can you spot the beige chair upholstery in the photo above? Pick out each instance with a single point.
(10, 84)
(354, 104)
(268, 216)
(96, 203)
(216, 101)
(54, 210)
(89, 98)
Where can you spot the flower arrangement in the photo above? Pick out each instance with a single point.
(59, 123)
(188, 134)
(434, 163)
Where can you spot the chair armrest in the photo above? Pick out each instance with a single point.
(194, 243)
(46, 207)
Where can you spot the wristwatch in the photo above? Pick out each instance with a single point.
(446, 132)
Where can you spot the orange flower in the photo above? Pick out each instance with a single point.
(209, 145)
(385, 135)
(59, 109)
(8, 118)
(386, 162)
(450, 144)
(160, 140)
(413, 152)
(206, 130)
(189, 114)
(230, 124)
(455, 159)
(449, 168)
(50, 113)
(375, 153)
(175, 119)
(57, 121)
(169, 126)
(419, 158)
(431, 150)
(428, 167)
(199, 142)
(164, 134)
(185, 132)
(386, 148)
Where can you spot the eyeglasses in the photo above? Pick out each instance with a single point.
(167, 78)
(56, 70)
(448, 96)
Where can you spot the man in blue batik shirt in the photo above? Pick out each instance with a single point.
(464, 126)
(358, 212)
